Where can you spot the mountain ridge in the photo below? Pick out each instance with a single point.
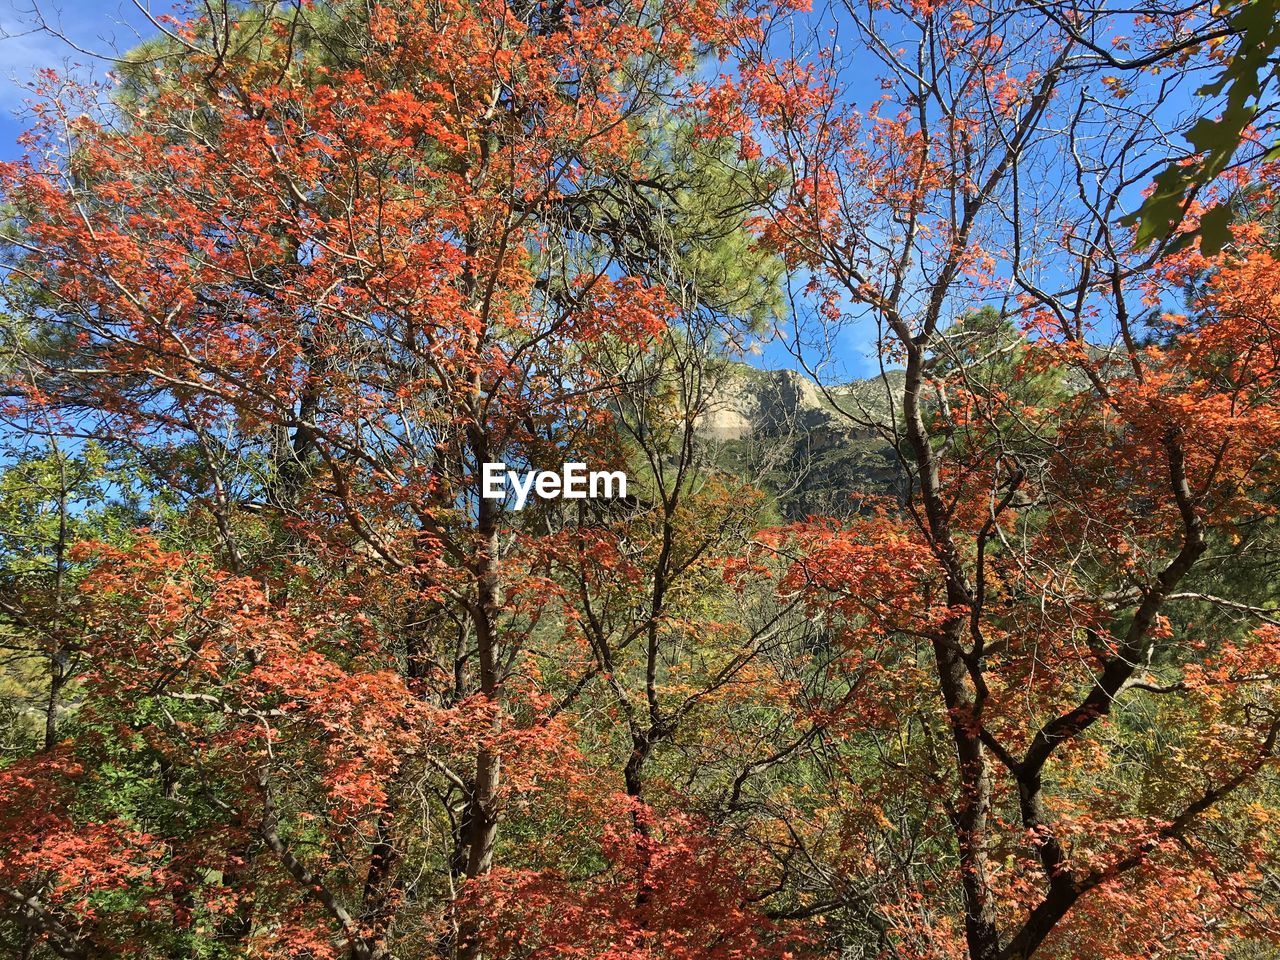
(815, 449)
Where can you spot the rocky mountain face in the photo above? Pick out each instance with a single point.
(816, 449)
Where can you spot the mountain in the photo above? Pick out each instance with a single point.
(815, 449)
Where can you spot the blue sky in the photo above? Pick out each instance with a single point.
(101, 26)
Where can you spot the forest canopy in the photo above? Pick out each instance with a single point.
(938, 341)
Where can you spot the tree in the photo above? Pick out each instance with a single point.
(1056, 517)
(1247, 76)
(315, 272)
(310, 267)
(48, 503)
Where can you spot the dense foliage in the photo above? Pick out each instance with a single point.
(279, 682)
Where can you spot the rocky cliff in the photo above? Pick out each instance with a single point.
(815, 449)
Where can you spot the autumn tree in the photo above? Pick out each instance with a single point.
(289, 283)
(314, 266)
(1040, 757)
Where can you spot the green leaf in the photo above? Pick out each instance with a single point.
(1214, 229)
